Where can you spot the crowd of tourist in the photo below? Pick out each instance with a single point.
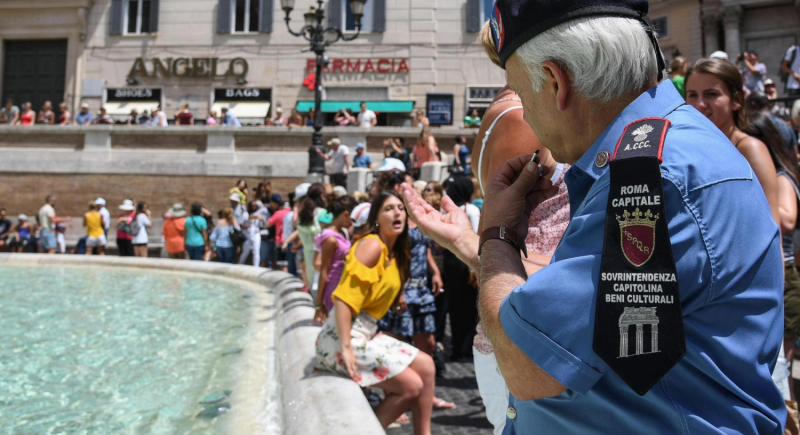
(380, 285)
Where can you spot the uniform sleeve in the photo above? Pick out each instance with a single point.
(551, 317)
(356, 281)
(788, 56)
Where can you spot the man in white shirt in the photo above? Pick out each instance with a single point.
(159, 118)
(104, 213)
(47, 221)
(754, 72)
(366, 118)
(340, 167)
(791, 66)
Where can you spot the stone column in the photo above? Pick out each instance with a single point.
(654, 337)
(623, 341)
(639, 339)
(711, 33)
(732, 17)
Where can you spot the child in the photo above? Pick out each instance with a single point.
(61, 240)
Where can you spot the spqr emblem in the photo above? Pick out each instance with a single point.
(638, 236)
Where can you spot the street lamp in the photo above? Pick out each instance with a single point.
(315, 33)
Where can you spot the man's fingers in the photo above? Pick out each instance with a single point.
(448, 205)
(527, 178)
(509, 170)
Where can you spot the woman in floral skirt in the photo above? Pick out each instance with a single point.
(418, 321)
(349, 342)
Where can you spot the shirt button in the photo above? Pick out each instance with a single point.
(602, 159)
(511, 413)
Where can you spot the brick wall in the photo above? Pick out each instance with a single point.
(25, 193)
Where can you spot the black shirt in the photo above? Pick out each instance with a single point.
(5, 225)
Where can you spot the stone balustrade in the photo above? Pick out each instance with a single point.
(187, 151)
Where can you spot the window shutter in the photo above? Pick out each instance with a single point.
(154, 9)
(379, 16)
(265, 26)
(474, 22)
(224, 16)
(335, 14)
(116, 17)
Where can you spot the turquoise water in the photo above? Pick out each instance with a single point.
(116, 351)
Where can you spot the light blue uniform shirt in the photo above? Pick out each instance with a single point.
(728, 257)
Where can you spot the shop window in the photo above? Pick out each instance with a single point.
(662, 27)
(137, 16)
(245, 15)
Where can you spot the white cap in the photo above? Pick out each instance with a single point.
(391, 164)
(339, 191)
(100, 201)
(719, 55)
(301, 190)
(84, 105)
(360, 214)
(235, 197)
(22, 217)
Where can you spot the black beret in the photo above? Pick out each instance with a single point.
(515, 22)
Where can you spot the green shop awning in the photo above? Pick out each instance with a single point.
(375, 106)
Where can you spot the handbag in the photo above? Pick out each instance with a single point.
(237, 236)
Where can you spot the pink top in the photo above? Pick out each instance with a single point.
(337, 265)
(547, 224)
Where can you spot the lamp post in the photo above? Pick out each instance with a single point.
(316, 34)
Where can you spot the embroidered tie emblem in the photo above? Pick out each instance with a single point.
(638, 327)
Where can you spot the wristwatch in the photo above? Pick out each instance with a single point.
(504, 234)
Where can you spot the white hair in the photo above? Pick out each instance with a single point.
(606, 57)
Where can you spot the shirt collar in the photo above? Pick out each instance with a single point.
(658, 101)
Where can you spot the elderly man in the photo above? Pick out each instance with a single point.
(654, 315)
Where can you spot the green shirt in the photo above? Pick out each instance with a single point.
(194, 226)
(680, 85)
(472, 122)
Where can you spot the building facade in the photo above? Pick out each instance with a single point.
(767, 27)
(126, 54)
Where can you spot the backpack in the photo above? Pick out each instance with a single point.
(134, 227)
(782, 75)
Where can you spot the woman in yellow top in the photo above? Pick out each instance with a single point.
(371, 284)
(240, 189)
(95, 233)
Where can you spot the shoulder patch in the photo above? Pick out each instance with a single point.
(643, 138)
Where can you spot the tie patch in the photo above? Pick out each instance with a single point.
(638, 320)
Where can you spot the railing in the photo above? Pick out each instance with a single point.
(210, 139)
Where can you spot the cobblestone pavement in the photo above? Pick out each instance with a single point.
(457, 385)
